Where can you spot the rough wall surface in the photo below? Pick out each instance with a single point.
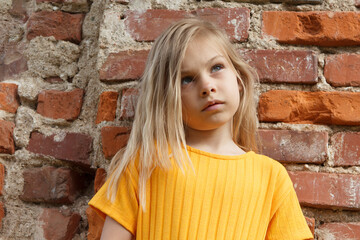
(67, 75)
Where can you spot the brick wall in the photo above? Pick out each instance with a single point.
(67, 76)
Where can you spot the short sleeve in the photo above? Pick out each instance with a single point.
(125, 208)
(288, 221)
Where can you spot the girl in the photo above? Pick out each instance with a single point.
(189, 170)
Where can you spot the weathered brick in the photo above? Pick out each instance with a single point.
(61, 25)
(100, 178)
(52, 1)
(344, 230)
(128, 103)
(96, 224)
(52, 185)
(340, 108)
(12, 61)
(107, 106)
(2, 178)
(53, 80)
(2, 213)
(71, 147)
(59, 224)
(322, 28)
(15, 66)
(18, 9)
(343, 70)
(283, 66)
(113, 139)
(58, 104)
(296, 2)
(294, 146)
(7, 137)
(125, 2)
(147, 26)
(346, 147)
(235, 21)
(311, 224)
(327, 190)
(124, 65)
(9, 100)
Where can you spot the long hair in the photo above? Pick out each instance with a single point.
(158, 131)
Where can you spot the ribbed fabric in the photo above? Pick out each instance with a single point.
(228, 197)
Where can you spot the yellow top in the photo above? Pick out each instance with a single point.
(249, 196)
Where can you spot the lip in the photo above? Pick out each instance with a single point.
(212, 105)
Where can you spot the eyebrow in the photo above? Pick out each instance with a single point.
(184, 72)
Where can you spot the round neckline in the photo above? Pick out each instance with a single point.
(218, 156)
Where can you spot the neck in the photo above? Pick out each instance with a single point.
(218, 141)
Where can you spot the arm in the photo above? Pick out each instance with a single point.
(112, 230)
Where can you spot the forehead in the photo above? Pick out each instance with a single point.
(201, 49)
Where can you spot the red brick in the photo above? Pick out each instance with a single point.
(96, 224)
(340, 108)
(344, 230)
(6, 137)
(327, 190)
(283, 66)
(346, 146)
(100, 178)
(124, 65)
(294, 146)
(311, 224)
(61, 25)
(52, 185)
(113, 139)
(58, 104)
(9, 100)
(2, 178)
(322, 28)
(148, 25)
(128, 103)
(2, 213)
(107, 106)
(71, 147)
(343, 70)
(59, 224)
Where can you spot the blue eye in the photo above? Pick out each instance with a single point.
(216, 67)
(186, 80)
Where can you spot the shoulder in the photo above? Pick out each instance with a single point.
(272, 169)
(266, 162)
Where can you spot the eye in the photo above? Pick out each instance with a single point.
(186, 80)
(216, 68)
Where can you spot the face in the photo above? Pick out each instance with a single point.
(209, 87)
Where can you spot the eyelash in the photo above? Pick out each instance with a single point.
(217, 65)
(215, 68)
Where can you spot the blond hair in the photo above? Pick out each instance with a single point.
(158, 128)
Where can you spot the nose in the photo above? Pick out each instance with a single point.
(207, 86)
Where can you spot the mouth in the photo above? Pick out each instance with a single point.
(211, 104)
